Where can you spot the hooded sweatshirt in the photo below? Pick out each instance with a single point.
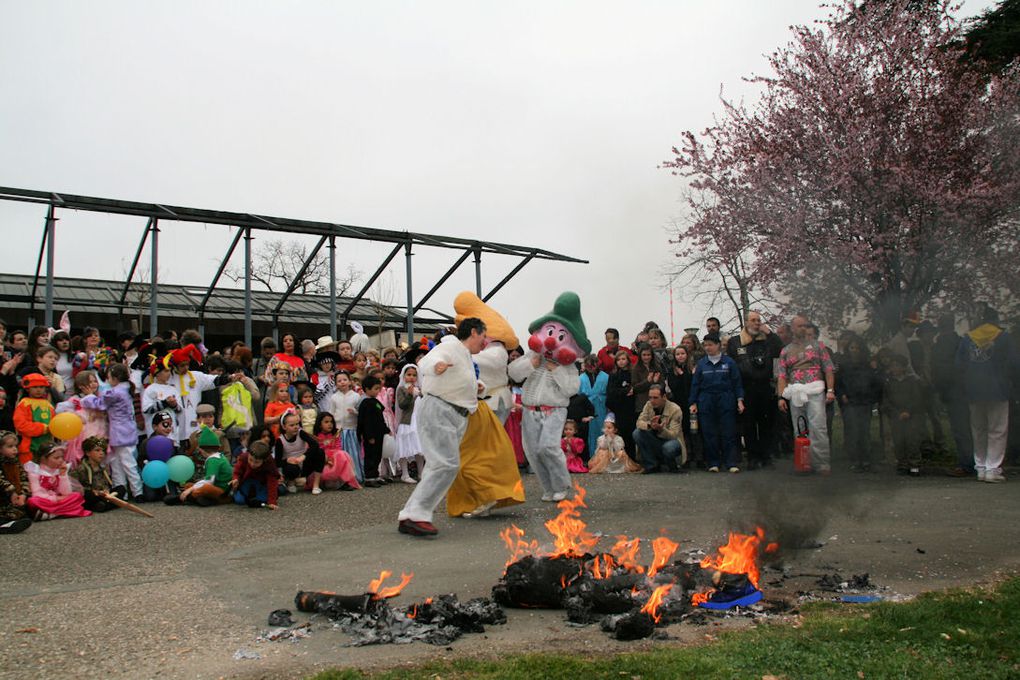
(986, 358)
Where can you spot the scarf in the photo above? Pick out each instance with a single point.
(984, 335)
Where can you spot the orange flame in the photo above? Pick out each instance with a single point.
(428, 600)
(698, 598)
(664, 549)
(625, 550)
(513, 536)
(738, 556)
(652, 606)
(413, 614)
(570, 534)
(602, 566)
(390, 591)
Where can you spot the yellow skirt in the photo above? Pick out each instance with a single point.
(488, 467)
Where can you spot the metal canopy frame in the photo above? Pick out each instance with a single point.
(327, 232)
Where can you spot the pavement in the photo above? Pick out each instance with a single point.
(122, 596)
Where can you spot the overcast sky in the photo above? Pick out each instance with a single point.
(533, 123)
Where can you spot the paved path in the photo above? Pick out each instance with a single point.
(121, 596)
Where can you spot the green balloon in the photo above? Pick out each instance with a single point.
(181, 468)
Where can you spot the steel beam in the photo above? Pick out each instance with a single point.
(410, 294)
(506, 279)
(219, 273)
(442, 280)
(368, 284)
(332, 287)
(51, 235)
(154, 279)
(247, 287)
(38, 270)
(478, 271)
(134, 266)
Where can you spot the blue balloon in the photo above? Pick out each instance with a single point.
(155, 474)
(159, 447)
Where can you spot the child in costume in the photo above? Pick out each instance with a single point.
(94, 422)
(190, 385)
(93, 478)
(277, 406)
(118, 402)
(307, 409)
(14, 487)
(298, 455)
(161, 396)
(256, 480)
(214, 487)
(32, 416)
(371, 429)
(324, 364)
(344, 407)
(339, 470)
(51, 493)
(557, 340)
(573, 448)
(408, 444)
(162, 426)
(390, 466)
(610, 451)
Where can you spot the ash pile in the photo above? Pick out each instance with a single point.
(627, 599)
(369, 619)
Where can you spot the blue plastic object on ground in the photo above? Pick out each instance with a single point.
(741, 601)
(860, 599)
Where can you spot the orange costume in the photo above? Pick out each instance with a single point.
(32, 419)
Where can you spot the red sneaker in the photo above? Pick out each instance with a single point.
(413, 528)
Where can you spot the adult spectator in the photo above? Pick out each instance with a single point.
(659, 433)
(858, 389)
(985, 358)
(755, 350)
(663, 354)
(904, 342)
(712, 326)
(691, 343)
(717, 397)
(646, 373)
(807, 383)
(620, 398)
(946, 379)
(607, 355)
(289, 354)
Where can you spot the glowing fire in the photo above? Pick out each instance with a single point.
(625, 550)
(652, 606)
(570, 534)
(738, 556)
(513, 536)
(664, 549)
(602, 566)
(378, 593)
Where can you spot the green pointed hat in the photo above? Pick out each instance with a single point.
(567, 311)
(207, 439)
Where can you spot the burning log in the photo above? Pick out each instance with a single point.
(538, 582)
(333, 605)
(634, 626)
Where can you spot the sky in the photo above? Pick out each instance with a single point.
(533, 123)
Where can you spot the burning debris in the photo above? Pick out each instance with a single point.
(369, 619)
(627, 598)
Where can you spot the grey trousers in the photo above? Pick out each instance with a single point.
(440, 429)
(814, 412)
(541, 432)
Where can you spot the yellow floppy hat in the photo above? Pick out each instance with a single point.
(467, 305)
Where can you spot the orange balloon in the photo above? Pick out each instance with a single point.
(65, 426)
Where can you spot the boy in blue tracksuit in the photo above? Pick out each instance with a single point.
(717, 396)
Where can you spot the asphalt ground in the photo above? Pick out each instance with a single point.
(122, 596)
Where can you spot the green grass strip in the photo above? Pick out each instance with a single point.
(954, 634)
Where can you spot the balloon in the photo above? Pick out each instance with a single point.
(159, 448)
(65, 426)
(180, 468)
(155, 474)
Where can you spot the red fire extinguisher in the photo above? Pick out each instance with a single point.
(802, 447)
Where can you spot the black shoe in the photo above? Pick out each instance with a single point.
(139, 499)
(172, 499)
(15, 526)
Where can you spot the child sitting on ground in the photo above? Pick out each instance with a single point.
(339, 470)
(610, 452)
(298, 455)
(13, 487)
(32, 416)
(573, 447)
(256, 479)
(94, 479)
(307, 409)
(213, 487)
(50, 487)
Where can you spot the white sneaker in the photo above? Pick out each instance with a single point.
(713, 469)
(559, 496)
(291, 488)
(407, 479)
(734, 469)
(994, 477)
(981, 475)
(316, 491)
(300, 482)
(483, 510)
(547, 497)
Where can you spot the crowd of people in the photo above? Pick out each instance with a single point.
(308, 415)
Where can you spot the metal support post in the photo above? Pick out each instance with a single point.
(332, 287)
(478, 271)
(247, 287)
(154, 280)
(410, 294)
(51, 232)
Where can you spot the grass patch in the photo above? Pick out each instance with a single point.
(954, 634)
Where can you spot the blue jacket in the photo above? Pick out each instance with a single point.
(718, 379)
(986, 368)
